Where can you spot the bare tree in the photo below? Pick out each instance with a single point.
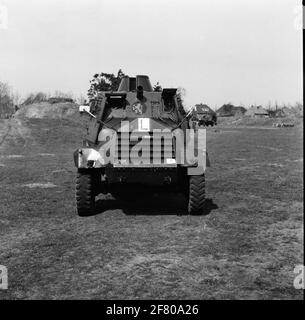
(6, 100)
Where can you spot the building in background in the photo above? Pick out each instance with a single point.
(229, 110)
(257, 112)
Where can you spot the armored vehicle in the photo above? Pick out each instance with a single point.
(204, 115)
(138, 136)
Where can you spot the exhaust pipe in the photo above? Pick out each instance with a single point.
(140, 92)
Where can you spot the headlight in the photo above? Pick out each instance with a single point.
(93, 155)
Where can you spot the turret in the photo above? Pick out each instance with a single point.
(138, 83)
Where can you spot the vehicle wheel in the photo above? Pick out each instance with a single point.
(96, 183)
(196, 196)
(85, 199)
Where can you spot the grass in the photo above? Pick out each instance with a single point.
(245, 248)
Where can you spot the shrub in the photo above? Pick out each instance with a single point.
(58, 97)
(59, 100)
(35, 98)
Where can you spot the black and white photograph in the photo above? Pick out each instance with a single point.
(151, 151)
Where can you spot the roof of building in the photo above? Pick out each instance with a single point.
(229, 110)
(256, 110)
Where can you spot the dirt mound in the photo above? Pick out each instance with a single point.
(65, 110)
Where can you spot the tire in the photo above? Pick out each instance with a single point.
(196, 196)
(85, 196)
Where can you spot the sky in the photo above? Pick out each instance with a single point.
(220, 51)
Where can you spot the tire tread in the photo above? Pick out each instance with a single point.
(84, 193)
(196, 199)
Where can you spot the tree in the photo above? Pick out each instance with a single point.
(157, 87)
(104, 82)
(16, 98)
(4, 89)
(6, 100)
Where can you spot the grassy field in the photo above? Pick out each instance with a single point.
(245, 246)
